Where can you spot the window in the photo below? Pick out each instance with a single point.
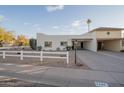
(63, 43)
(123, 43)
(48, 44)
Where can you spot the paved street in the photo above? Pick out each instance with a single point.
(57, 76)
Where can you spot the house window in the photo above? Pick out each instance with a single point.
(63, 43)
(48, 44)
(123, 43)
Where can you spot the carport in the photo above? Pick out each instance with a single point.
(112, 44)
(80, 43)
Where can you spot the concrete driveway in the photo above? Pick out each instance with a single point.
(104, 61)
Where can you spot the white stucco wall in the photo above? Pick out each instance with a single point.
(113, 34)
(122, 33)
(113, 45)
(55, 39)
(91, 45)
(50, 38)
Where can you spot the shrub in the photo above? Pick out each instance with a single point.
(58, 49)
(33, 43)
(39, 48)
(68, 48)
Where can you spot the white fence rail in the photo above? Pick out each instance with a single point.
(22, 54)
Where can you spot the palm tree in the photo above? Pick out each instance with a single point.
(88, 23)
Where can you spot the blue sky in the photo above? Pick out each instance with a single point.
(29, 20)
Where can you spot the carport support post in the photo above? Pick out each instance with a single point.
(75, 51)
(4, 55)
(41, 56)
(21, 57)
(75, 56)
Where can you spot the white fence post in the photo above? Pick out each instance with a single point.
(41, 56)
(67, 55)
(4, 56)
(21, 57)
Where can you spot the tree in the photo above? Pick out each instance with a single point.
(9, 37)
(22, 40)
(1, 34)
(88, 23)
(33, 43)
(6, 36)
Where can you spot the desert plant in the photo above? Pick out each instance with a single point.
(58, 49)
(33, 43)
(39, 48)
(68, 48)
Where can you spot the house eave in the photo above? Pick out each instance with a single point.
(110, 38)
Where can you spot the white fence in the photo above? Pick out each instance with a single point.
(23, 54)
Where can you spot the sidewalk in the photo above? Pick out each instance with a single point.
(58, 76)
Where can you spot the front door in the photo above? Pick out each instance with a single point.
(81, 45)
(73, 45)
(99, 46)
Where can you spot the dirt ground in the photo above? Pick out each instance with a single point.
(13, 82)
(47, 61)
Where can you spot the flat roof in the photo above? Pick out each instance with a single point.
(82, 39)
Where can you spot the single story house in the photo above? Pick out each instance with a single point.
(102, 38)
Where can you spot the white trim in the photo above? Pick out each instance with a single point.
(54, 57)
(54, 52)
